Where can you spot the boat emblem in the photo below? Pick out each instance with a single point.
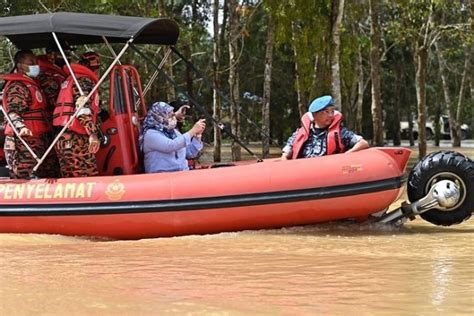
(115, 190)
(351, 169)
(39, 96)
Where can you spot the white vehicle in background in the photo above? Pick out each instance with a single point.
(430, 129)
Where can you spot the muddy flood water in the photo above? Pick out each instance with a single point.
(329, 269)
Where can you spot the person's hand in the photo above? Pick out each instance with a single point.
(25, 132)
(94, 143)
(181, 113)
(284, 156)
(80, 100)
(198, 128)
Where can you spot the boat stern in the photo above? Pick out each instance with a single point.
(400, 156)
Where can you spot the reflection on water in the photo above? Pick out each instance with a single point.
(325, 269)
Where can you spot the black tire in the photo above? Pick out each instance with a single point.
(444, 166)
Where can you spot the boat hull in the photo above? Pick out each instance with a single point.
(269, 194)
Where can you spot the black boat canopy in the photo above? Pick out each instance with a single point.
(34, 31)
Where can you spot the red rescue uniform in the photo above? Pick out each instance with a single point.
(34, 117)
(25, 104)
(66, 107)
(72, 147)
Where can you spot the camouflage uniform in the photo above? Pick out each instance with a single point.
(73, 148)
(50, 87)
(19, 159)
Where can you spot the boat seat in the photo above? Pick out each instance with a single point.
(126, 112)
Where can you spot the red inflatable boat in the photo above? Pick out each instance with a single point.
(266, 194)
(124, 203)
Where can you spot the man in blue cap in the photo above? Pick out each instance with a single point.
(321, 133)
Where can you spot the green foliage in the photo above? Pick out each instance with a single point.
(305, 26)
(302, 25)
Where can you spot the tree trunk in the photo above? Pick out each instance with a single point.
(360, 92)
(225, 16)
(338, 14)
(234, 76)
(472, 103)
(267, 87)
(471, 68)
(399, 87)
(316, 79)
(472, 100)
(188, 52)
(353, 92)
(437, 125)
(447, 95)
(421, 64)
(378, 137)
(411, 137)
(216, 81)
(168, 66)
(302, 96)
(459, 110)
(189, 71)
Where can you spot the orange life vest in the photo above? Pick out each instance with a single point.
(54, 71)
(334, 141)
(65, 106)
(34, 118)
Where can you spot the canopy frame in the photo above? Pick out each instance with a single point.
(81, 29)
(86, 28)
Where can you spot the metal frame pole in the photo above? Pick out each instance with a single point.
(206, 114)
(17, 133)
(83, 101)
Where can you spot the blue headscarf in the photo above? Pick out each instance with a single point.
(157, 118)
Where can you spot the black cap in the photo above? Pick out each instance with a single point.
(53, 47)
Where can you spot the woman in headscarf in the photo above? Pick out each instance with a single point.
(165, 149)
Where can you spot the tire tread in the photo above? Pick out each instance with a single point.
(438, 162)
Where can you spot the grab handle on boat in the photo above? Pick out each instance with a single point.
(127, 79)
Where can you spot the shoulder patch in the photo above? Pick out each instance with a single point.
(39, 96)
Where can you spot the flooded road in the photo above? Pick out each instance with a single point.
(330, 269)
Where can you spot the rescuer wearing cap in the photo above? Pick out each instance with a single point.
(52, 74)
(321, 133)
(77, 146)
(50, 78)
(25, 104)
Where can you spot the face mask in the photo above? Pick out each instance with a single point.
(33, 71)
(172, 123)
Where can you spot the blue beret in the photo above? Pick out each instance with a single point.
(320, 103)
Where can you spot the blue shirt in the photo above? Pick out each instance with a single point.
(163, 154)
(316, 144)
